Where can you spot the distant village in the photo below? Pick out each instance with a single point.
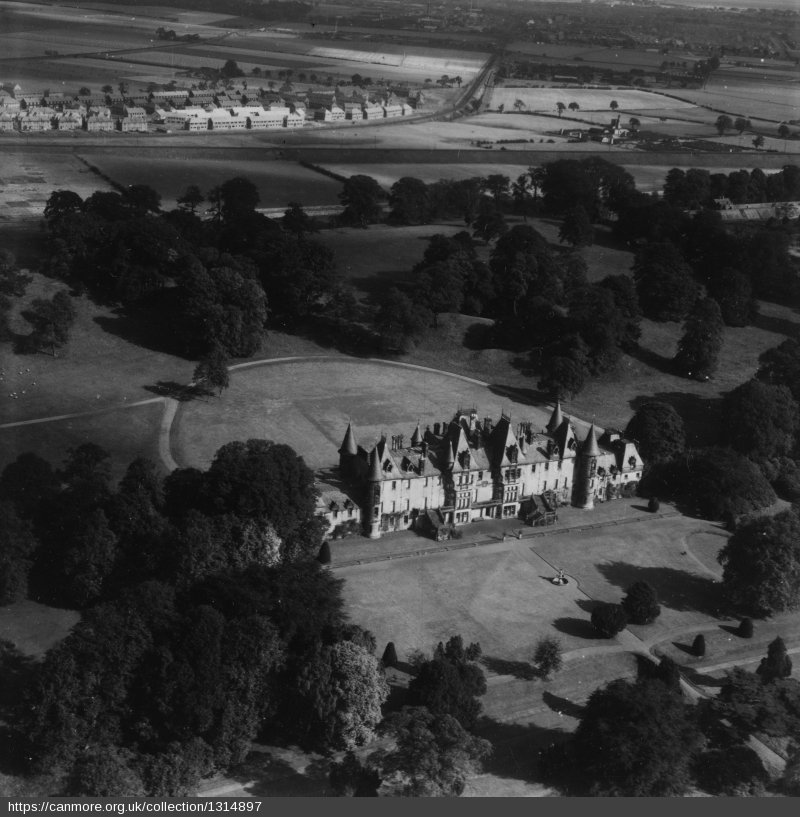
(233, 107)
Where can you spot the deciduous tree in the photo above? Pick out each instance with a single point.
(700, 345)
(635, 740)
(433, 757)
(761, 564)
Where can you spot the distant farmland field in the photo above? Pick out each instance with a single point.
(589, 99)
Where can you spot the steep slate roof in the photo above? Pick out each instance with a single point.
(349, 443)
(590, 447)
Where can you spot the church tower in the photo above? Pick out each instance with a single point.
(586, 471)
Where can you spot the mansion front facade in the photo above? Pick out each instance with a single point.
(469, 469)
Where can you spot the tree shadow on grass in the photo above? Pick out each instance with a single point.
(175, 390)
(661, 363)
(516, 747)
(271, 776)
(563, 706)
(687, 648)
(577, 627)
(701, 679)
(528, 397)
(152, 326)
(587, 605)
(676, 589)
(519, 669)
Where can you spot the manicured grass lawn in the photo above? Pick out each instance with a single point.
(499, 595)
(607, 561)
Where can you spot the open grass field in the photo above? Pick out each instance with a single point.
(308, 405)
(589, 99)
(614, 58)
(26, 181)
(125, 433)
(170, 173)
(751, 98)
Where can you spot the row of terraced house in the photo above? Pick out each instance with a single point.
(197, 109)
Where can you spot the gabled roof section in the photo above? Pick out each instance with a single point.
(564, 438)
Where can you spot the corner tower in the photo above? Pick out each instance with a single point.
(586, 471)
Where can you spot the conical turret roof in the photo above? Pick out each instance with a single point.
(416, 437)
(556, 418)
(590, 447)
(375, 466)
(349, 443)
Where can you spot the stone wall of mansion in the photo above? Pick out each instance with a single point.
(468, 469)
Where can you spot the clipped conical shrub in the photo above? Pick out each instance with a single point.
(746, 628)
(699, 646)
(653, 505)
(389, 658)
(324, 556)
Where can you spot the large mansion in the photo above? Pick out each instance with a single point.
(467, 469)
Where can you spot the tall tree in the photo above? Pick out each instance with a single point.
(433, 754)
(635, 740)
(761, 564)
(777, 663)
(450, 684)
(51, 320)
(761, 420)
(700, 345)
(361, 196)
(576, 228)
(340, 693)
(780, 366)
(658, 431)
(409, 201)
(664, 282)
(212, 370)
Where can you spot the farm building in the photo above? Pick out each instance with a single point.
(465, 470)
